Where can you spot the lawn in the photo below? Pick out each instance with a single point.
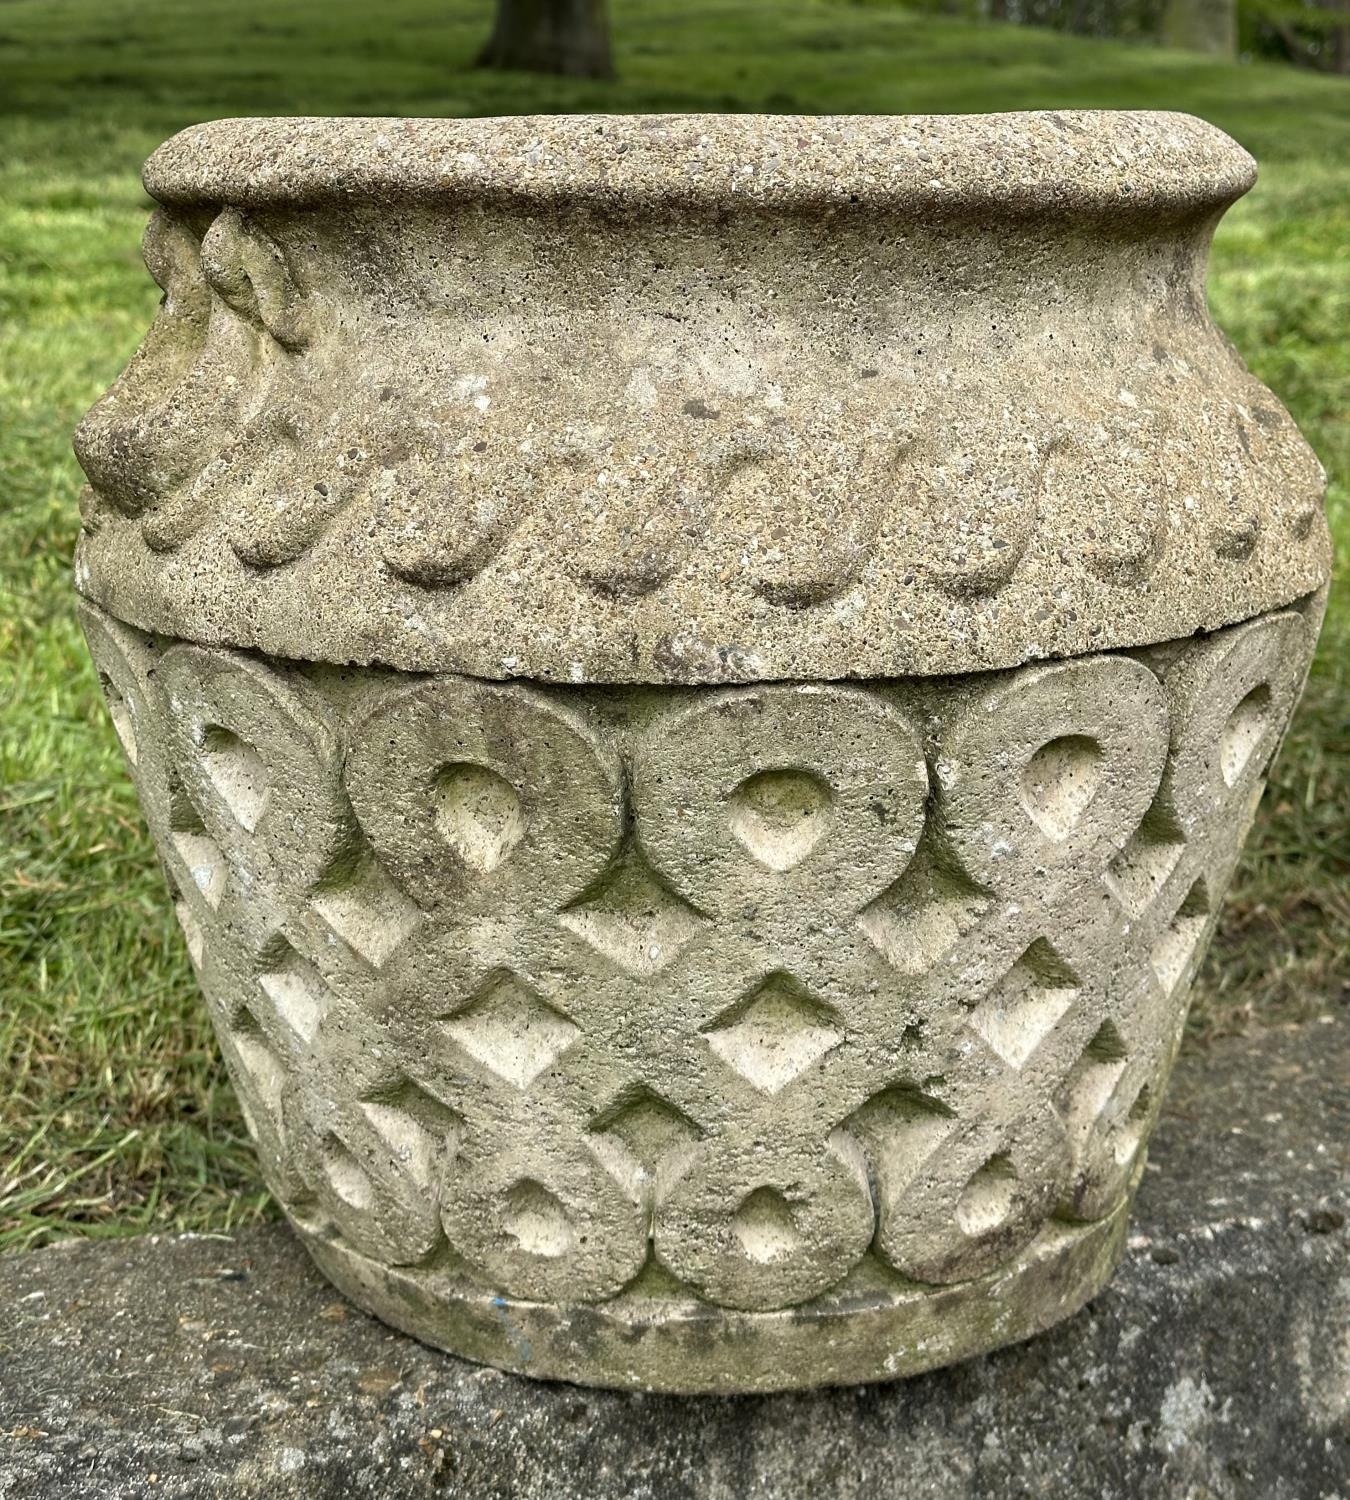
(114, 1114)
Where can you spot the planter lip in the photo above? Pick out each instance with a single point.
(1118, 163)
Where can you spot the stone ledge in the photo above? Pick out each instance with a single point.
(1215, 1367)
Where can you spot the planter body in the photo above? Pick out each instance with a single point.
(698, 683)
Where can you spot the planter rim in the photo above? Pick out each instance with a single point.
(1132, 163)
(521, 398)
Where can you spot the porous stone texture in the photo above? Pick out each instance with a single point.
(541, 572)
(1214, 1367)
(724, 1039)
(693, 399)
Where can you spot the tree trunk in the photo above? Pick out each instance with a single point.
(1340, 42)
(551, 36)
(1201, 26)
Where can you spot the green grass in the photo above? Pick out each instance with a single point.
(114, 1116)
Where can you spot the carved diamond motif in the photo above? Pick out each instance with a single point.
(773, 1034)
(644, 1127)
(192, 932)
(298, 994)
(1023, 1007)
(417, 1130)
(1087, 1089)
(632, 919)
(205, 863)
(264, 1076)
(917, 922)
(1142, 868)
(368, 912)
(512, 1030)
(1176, 947)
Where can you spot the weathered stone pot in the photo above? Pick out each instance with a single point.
(698, 683)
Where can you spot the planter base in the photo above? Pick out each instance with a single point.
(875, 1327)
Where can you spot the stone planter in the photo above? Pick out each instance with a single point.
(698, 683)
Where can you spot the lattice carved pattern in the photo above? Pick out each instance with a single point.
(572, 990)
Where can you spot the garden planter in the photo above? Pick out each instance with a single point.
(698, 683)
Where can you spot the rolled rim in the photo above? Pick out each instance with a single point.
(1054, 162)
